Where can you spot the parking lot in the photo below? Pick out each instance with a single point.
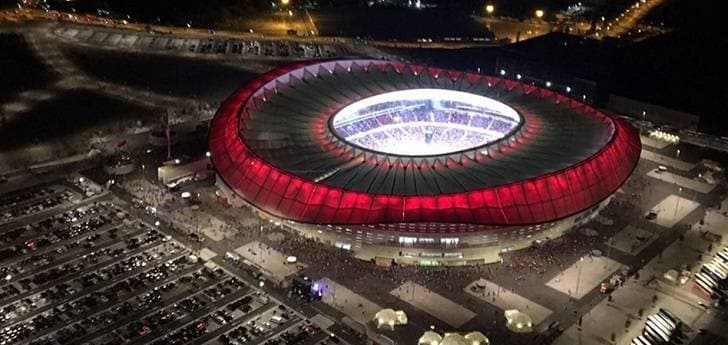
(209, 46)
(84, 270)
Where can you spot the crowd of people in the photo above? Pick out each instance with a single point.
(419, 123)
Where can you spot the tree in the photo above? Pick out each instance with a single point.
(654, 299)
(613, 337)
(627, 323)
(640, 312)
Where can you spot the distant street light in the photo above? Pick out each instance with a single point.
(285, 2)
(539, 13)
(489, 8)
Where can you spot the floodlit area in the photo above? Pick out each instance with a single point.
(653, 142)
(211, 226)
(672, 210)
(681, 181)
(424, 122)
(666, 160)
(583, 275)
(269, 259)
(433, 303)
(506, 299)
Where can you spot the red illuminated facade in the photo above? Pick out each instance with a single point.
(533, 192)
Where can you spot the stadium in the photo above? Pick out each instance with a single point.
(417, 164)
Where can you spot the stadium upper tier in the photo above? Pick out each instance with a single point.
(317, 142)
(424, 122)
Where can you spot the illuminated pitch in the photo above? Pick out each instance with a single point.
(424, 122)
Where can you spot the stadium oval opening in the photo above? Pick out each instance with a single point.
(424, 122)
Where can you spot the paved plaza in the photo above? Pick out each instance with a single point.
(632, 240)
(681, 181)
(207, 254)
(584, 275)
(633, 302)
(434, 304)
(667, 161)
(269, 259)
(211, 226)
(672, 210)
(506, 299)
(679, 254)
(716, 222)
(353, 305)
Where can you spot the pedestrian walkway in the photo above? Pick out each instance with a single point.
(434, 304)
(506, 299)
(632, 240)
(269, 259)
(353, 305)
(665, 160)
(681, 181)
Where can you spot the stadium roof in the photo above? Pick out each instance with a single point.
(271, 143)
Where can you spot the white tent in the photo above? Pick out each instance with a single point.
(477, 338)
(454, 339)
(518, 322)
(429, 338)
(390, 318)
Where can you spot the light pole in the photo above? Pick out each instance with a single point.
(578, 277)
(677, 204)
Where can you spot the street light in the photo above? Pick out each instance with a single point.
(539, 13)
(489, 8)
(285, 2)
(578, 278)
